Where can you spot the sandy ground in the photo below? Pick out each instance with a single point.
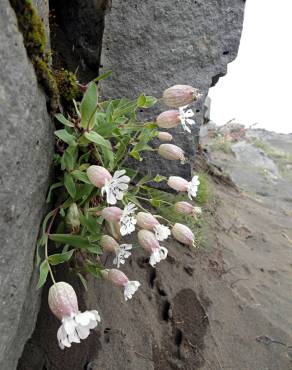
(225, 306)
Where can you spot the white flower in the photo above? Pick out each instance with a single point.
(162, 232)
(128, 219)
(192, 187)
(122, 253)
(116, 187)
(157, 255)
(185, 118)
(130, 288)
(76, 326)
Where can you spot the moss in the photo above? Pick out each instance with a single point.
(31, 26)
(67, 85)
(204, 194)
(34, 39)
(46, 78)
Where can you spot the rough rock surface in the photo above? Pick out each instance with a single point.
(76, 34)
(151, 45)
(26, 148)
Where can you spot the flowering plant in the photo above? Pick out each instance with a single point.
(96, 194)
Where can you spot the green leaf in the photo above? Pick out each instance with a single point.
(75, 241)
(76, 106)
(83, 191)
(150, 101)
(103, 76)
(69, 158)
(44, 270)
(44, 225)
(135, 155)
(56, 259)
(94, 270)
(155, 203)
(90, 223)
(141, 101)
(159, 178)
(122, 149)
(125, 107)
(94, 137)
(81, 176)
(66, 137)
(88, 105)
(64, 120)
(53, 187)
(70, 185)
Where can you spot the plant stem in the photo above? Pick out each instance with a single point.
(46, 244)
(47, 259)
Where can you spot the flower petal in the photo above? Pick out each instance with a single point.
(130, 288)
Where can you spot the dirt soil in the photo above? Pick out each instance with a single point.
(224, 306)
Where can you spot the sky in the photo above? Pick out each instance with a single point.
(257, 87)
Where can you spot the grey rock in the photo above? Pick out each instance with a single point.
(76, 35)
(151, 45)
(26, 149)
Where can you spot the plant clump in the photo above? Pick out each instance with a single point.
(100, 200)
(67, 85)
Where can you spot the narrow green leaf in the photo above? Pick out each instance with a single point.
(69, 158)
(141, 101)
(66, 137)
(76, 241)
(135, 155)
(52, 188)
(64, 120)
(56, 259)
(44, 270)
(69, 184)
(88, 105)
(94, 137)
(103, 76)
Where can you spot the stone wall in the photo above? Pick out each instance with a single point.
(26, 149)
(151, 45)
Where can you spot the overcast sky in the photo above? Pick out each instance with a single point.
(257, 87)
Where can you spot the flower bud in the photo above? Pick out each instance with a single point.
(184, 208)
(164, 136)
(113, 228)
(108, 244)
(72, 218)
(168, 119)
(117, 277)
(62, 300)
(147, 240)
(180, 96)
(98, 175)
(178, 183)
(112, 214)
(146, 220)
(171, 152)
(183, 234)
